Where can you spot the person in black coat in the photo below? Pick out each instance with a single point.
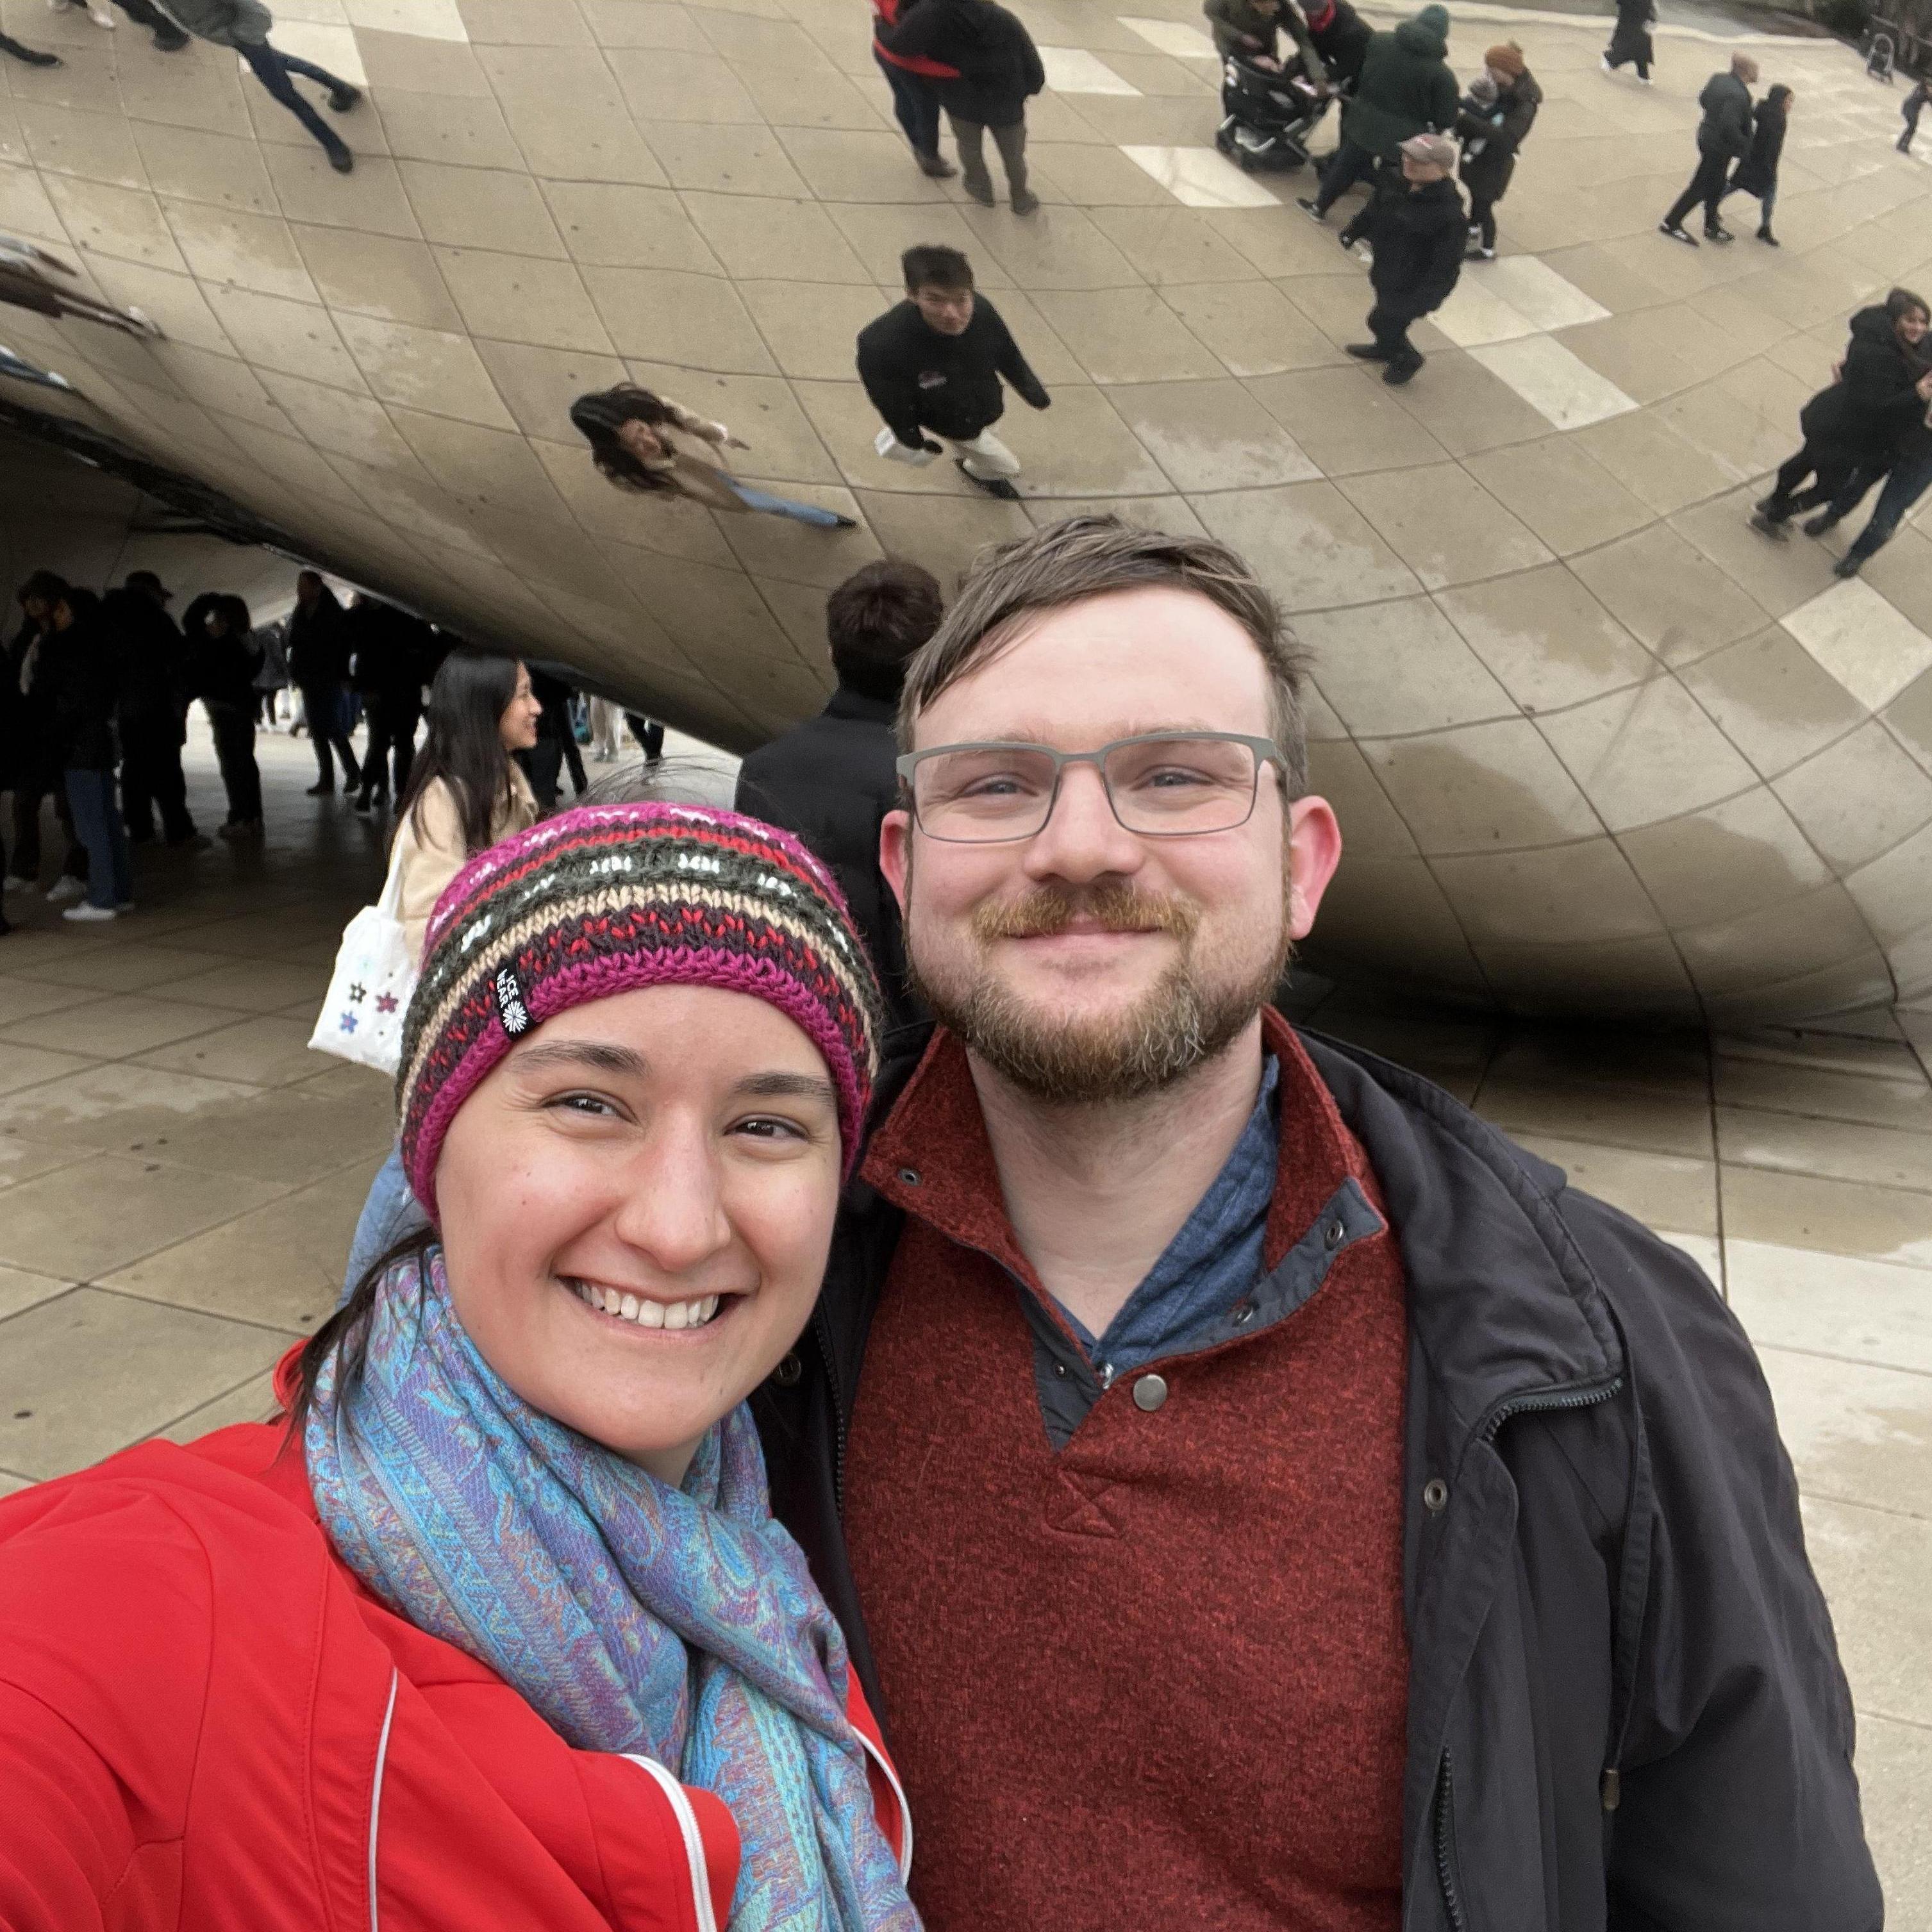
(1341, 37)
(222, 660)
(82, 679)
(35, 772)
(999, 70)
(319, 667)
(833, 779)
(1757, 174)
(389, 654)
(934, 362)
(1723, 136)
(1418, 231)
(1631, 40)
(555, 747)
(153, 718)
(1853, 425)
(1491, 134)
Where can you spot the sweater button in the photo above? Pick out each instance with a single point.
(1436, 1495)
(787, 1372)
(1150, 1392)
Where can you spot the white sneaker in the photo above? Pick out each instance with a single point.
(64, 888)
(19, 885)
(86, 912)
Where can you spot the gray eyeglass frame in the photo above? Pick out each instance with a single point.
(1266, 751)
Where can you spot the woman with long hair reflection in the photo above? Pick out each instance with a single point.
(633, 436)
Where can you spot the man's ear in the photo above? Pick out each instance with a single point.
(895, 852)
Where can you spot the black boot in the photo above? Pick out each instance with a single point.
(1816, 527)
(1769, 240)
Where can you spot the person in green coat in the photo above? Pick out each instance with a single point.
(1406, 88)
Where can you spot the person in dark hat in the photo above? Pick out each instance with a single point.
(152, 713)
(1417, 233)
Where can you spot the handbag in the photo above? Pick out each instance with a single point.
(361, 1015)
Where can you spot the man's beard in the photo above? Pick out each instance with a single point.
(1184, 1020)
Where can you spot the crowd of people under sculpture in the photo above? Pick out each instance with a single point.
(919, 1145)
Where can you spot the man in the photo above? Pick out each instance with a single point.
(245, 26)
(996, 69)
(38, 775)
(833, 779)
(556, 748)
(1341, 37)
(153, 715)
(1911, 108)
(1252, 30)
(910, 77)
(1406, 88)
(318, 665)
(934, 362)
(1630, 41)
(81, 677)
(1417, 232)
(1723, 136)
(1260, 1495)
(389, 653)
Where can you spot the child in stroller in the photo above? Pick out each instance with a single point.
(1268, 113)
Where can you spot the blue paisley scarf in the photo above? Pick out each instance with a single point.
(679, 1624)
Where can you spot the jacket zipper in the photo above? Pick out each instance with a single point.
(1532, 1405)
(822, 1328)
(693, 1836)
(375, 1793)
(1445, 1848)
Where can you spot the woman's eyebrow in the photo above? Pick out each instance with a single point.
(601, 1054)
(789, 1087)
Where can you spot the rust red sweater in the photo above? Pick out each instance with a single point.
(1158, 1679)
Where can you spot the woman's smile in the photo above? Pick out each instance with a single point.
(644, 1311)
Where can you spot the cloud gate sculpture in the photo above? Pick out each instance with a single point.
(1597, 746)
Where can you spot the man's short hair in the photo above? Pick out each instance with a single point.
(877, 618)
(47, 586)
(1081, 557)
(930, 265)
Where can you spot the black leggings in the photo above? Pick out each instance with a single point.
(233, 728)
(1482, 217)
(1830, 474)
(1707, 185)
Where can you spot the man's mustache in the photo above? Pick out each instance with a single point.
(1047, 909)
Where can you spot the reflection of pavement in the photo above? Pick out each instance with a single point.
(1596, 743)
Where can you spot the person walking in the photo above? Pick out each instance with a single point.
(1906, 471)
(1855, 423)
(1491, 135)
(1630, 39)
(152, 719)
(1340, 38)
(833, 779)
(467, 790)
(1251, 31)
(915, 99)
(998, 71)
(83, 694)
(244, 26)
(1723, 136)
(1418, 233)
(607, 729)
(318, 651)
(389, 650)
(271, 680)
(39, 775)
(554, 747)
(26, 281)
(633, 438)
(934, 362)
(1757, 174)
(221, 666)
(1910, 109)
(1406, 88)
(168, 38)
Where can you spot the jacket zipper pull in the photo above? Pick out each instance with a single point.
(1612, 1788)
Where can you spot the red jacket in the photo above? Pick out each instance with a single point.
(207, 1722)
(885, 14)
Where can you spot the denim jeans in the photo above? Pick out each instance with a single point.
(1903, 488)
(273, 68)
(915, 104)
(391, 1212)
(781, 506)
(96, 822)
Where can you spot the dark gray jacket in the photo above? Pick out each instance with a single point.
(1626, 1712)
(228, 23)
(1726, 128)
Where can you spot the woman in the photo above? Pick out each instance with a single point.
(498, 1629)
(465, 791)
(1852, 423)
(222, 661)
(632, 435)
(1757, 174)
(80, 682)
(1631, 40)
(1491, 134)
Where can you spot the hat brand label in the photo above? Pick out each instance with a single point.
(511, 1009)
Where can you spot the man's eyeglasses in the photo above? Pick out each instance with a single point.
(1161, 785)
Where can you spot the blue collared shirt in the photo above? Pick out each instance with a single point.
(1211, 1263)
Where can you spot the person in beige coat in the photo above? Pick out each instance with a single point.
(465, 791)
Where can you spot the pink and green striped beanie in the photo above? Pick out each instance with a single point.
(607, 898)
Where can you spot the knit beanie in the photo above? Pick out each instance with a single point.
(608, 898)
(1506, 59)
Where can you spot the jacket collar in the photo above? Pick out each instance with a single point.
(844, 702)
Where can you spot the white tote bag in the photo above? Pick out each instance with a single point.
(362, 1018)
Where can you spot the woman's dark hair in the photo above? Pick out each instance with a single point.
(463, 746)
(347, 1329)
(1900, 302)
(602, 413)
(876, 619)
(1777, 96)
(234, 613)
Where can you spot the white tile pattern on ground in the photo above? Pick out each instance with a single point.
(1542, 297)
(1174, 38)
(1074, 70)
(428, 19)
(332, 47)
(1200, 178)
(1871, 648)
(1475, 313)
(1558, 384)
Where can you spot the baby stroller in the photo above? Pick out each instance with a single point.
(1879, 56)
(1267, 117)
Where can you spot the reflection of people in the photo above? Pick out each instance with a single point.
(1418, 234)
(1906, 469)
(633, 438)
(25, 283)
(154, 708)
(934, 362)
(1757, 174)
(1911, 108)
(1492, 131)
(1630, 41)
(245, 26)
(910, 76)
(1723, 136)
(1439, 1508)
(32, 55)
(496, 1626)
